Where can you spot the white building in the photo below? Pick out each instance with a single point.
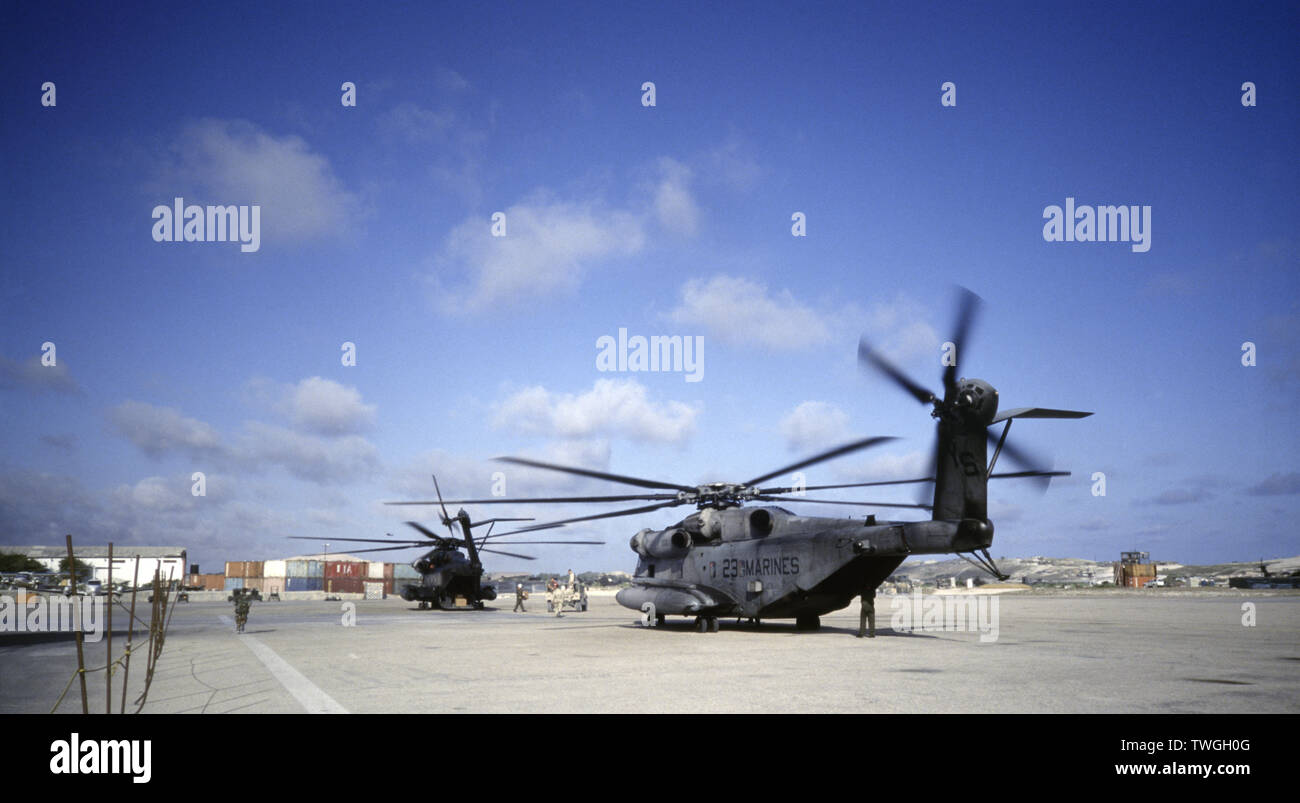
(168, 560)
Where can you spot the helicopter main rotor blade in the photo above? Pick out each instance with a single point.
(534, 528)
(430, 533)
(968, 306)
(1031, 463)
(600, 475)
(511, 554)
(611, 515)
(915, 390)
(493, 521)
(838, 451)
(362, 540)
(547, 500)
(792, 489)
(838, 502)
(523, 543)
(390, 548)
(445, 518)
(1017, 474)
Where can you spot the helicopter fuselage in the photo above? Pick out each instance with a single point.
(768, 563)
(446, 574)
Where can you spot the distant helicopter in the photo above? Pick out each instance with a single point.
(446, 572)
(765, 562)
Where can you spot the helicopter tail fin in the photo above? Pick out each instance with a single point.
(961, 472)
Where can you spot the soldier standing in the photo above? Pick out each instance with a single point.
(570, 579)
(867, 618)
(241, 612)
(557, 596)
(520, 596)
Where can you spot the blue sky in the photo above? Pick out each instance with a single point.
(675, 219)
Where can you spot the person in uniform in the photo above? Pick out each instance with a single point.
(867, 619)
(570, 583)
(241, 612)
(520, 596)
(557, 596)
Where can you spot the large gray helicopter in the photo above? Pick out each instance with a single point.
(765, 562)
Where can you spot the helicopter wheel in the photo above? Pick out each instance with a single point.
(808, 623)
(701, 626)
(713, 624)
(660, 619)
(424, 605)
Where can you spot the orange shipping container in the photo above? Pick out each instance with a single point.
(274, 584)
(345, 569)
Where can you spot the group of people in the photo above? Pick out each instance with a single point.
(559, 593)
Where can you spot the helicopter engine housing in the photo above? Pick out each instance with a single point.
(670, 543)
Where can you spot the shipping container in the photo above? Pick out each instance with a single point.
(304, 568)
(207, 582)
(274, 568)
(234, 568)
(253, 582)
(234, 582)
(388, 572)
(304, 583)
(273, 584)
(351, 569)
(344, 585)
(374, 571)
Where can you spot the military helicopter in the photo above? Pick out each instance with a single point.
(445, 571)
(765, 562)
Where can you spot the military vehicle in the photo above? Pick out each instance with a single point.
(571, 599)
(448, 574)
(765, 562)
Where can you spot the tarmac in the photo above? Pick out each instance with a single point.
(1089, 652)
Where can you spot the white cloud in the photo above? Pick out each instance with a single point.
(675, 207)
(159, 430)
(328, 408)
(733, 164)
(309, 458)
(899, 330)
(815, 425)
(742, 312)
(612, 408)
(415, 123)
(33, 376)
(163, 431)
(236, 162)
(548, 247)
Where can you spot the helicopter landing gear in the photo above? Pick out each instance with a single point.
(706, 624)
(424, 605)
(660, 619)
(808, 623)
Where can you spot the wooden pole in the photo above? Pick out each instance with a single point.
(126, 673)
(81, 656)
